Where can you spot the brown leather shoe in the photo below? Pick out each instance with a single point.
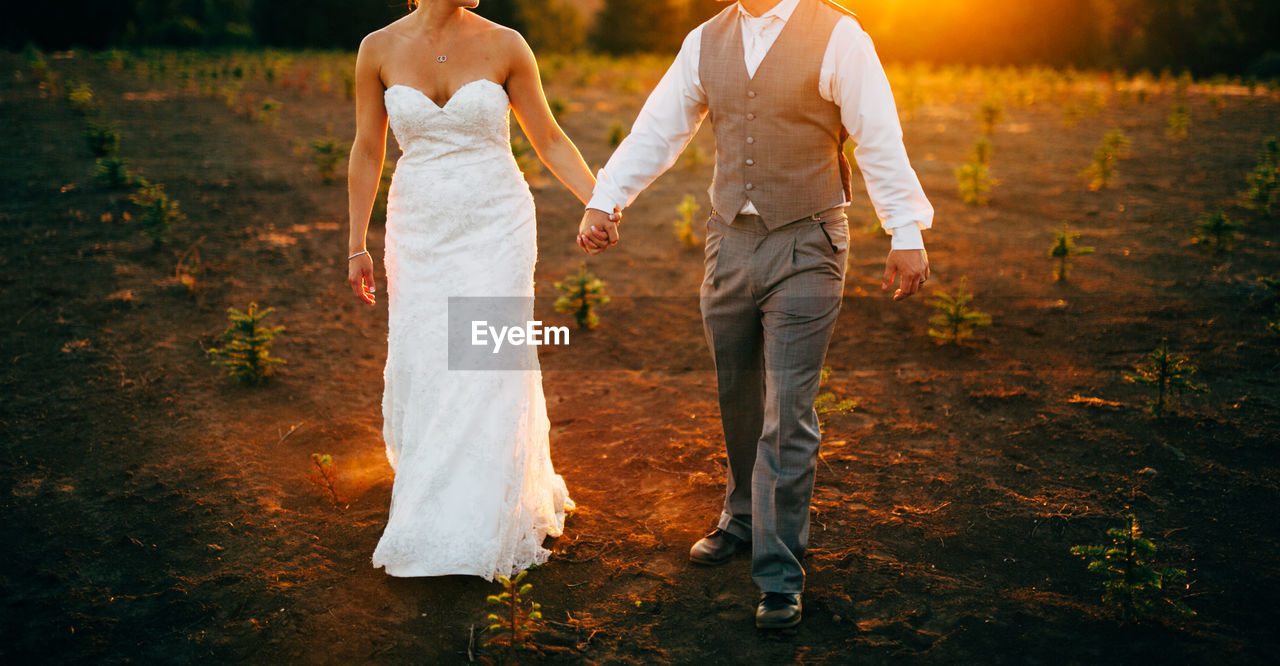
(715, 548)
(778, 610)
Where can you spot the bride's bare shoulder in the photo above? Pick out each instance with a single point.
(494, 35)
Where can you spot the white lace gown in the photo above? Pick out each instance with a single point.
(475, 491)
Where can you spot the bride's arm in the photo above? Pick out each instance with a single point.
(364, 165)
(524, 87)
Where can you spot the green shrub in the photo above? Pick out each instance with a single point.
(1216, 231)
(683, 225)
(513, 623)
(1166, 372)
(956, 320)
(113, 172)
(246, 354)
(158, 212)
(581, 294)
(1064, 247)
(1133, 587)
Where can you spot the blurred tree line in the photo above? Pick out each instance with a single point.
(1205, 36)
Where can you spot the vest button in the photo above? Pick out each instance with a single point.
(751, 139)
(751, 93)
(751, 162)
(751, 116)
(750, 186)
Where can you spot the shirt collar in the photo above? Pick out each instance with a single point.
(782, 11)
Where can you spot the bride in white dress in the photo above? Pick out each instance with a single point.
(475, 491)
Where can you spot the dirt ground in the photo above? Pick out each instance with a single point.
(155, 511)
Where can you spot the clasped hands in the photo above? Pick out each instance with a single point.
(598, 230)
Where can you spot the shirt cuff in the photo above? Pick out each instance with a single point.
(602, 199)
(907, 237)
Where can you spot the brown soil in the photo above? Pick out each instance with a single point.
(156, 511)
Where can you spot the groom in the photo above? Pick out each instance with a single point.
(786, 82)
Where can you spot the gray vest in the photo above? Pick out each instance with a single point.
(778, 143)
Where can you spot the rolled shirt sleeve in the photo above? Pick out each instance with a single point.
(667, 123)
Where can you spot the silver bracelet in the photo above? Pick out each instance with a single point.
(358, 254)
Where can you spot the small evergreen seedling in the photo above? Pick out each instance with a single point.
(989, 114)
(1102, 171)
(102, 140)
(827, 403)
(1264, 180)
(1178, 123)
(158, 212)
(683, 225)
(516, 618)
(975, 182)
(1134, 587)
(956, 320)
(113, 173)
(1165, 372)
(581, 295)
(1216, 231)
(324, 477)
(81, 98)
(326, 153)
(1064, 247)
(246, 354)
(982, 152)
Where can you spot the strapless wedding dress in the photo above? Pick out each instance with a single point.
(475, 491)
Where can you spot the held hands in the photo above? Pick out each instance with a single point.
(360, 277)
(598, 230)
(912, 269)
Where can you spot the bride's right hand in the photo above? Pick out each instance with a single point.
(360, 277)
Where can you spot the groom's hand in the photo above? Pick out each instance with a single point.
(912, 269)
(598, 230)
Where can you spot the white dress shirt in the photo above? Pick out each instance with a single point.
(851, 77)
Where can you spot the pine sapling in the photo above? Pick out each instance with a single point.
(827, 402)
(990, 114)
(1133, 586)
(1064, 247)
(326, 153)
(1178, 123)
(159, 212)
(581, 294)
(1216, 231)
(956, 320)
(973, 178)
(683, 225)
(247, 354)
(1165, 372)
(113, 173)
(1102, 171)
(515, 620)
(81, 98)
(1264, 180)
(325, 477)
